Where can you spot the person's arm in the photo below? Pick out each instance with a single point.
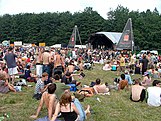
(95, 89)
(130, 80)
(75, 108)
(39, 108)
(57, 110)
(44, 89)
(51, 105)
(144, 80)
(62, 62)
(119, 86)
(127, 86)
(32, 75)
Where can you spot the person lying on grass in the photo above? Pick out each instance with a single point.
(100, 88)
(50, 100)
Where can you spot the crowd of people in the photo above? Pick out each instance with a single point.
(54, 70)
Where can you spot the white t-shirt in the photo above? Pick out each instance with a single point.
(154, 96)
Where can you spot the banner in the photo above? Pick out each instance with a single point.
(18, 43)
(42, 44)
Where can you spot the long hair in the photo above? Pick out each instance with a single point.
(65, 99)
(2, 76)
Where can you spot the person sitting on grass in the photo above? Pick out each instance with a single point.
(50, 100)
(61, 87)
(68, 109)
(123, 83)
(137, 92)
(29, 76)
(39, 87)
(100, 88)
(154, 94)
(146, 79)
(107, 66)
(69, 79)
(4, 85)
(128, 77)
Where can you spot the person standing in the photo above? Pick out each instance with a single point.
(38, 60)
(10, 59)
(46, 60)
(121, 64)
(144, 63)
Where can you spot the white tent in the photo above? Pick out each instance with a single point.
(56, 46)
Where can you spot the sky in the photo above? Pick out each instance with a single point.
(101, 6)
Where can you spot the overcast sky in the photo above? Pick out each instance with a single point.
(101, 6)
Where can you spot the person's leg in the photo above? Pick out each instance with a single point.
(13, 72)
(11, 88)
(9, 78)
(13, 79)
(40, 70)
(82, 113)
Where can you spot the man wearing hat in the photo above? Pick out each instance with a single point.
(11, 64)
(154, 94)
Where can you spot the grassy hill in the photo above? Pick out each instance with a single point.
(114, 107)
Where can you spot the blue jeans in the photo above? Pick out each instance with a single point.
(80, 109)
(46, 69)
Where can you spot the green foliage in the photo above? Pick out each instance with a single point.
(57, 27)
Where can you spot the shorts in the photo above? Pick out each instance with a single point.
(12, 71)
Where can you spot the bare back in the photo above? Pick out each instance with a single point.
(57, 61)
(50, 100)
(46, 58)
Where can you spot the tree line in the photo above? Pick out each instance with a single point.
(54, 28)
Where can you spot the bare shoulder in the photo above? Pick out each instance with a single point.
(53, 97)
(72, 104)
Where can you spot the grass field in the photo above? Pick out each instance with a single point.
(114, 107)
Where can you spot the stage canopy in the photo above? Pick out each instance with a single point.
(104, 39)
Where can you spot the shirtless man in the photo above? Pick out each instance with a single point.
(71, 67)
(38, 60)
(50, 100)
(123, 83)
(100, 88)
(137, 92)
(46, 60)
(58, 64)
(58, 60)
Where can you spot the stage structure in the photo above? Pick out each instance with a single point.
(126, 41)
(73, 39)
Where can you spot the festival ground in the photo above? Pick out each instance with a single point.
(114, 107)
